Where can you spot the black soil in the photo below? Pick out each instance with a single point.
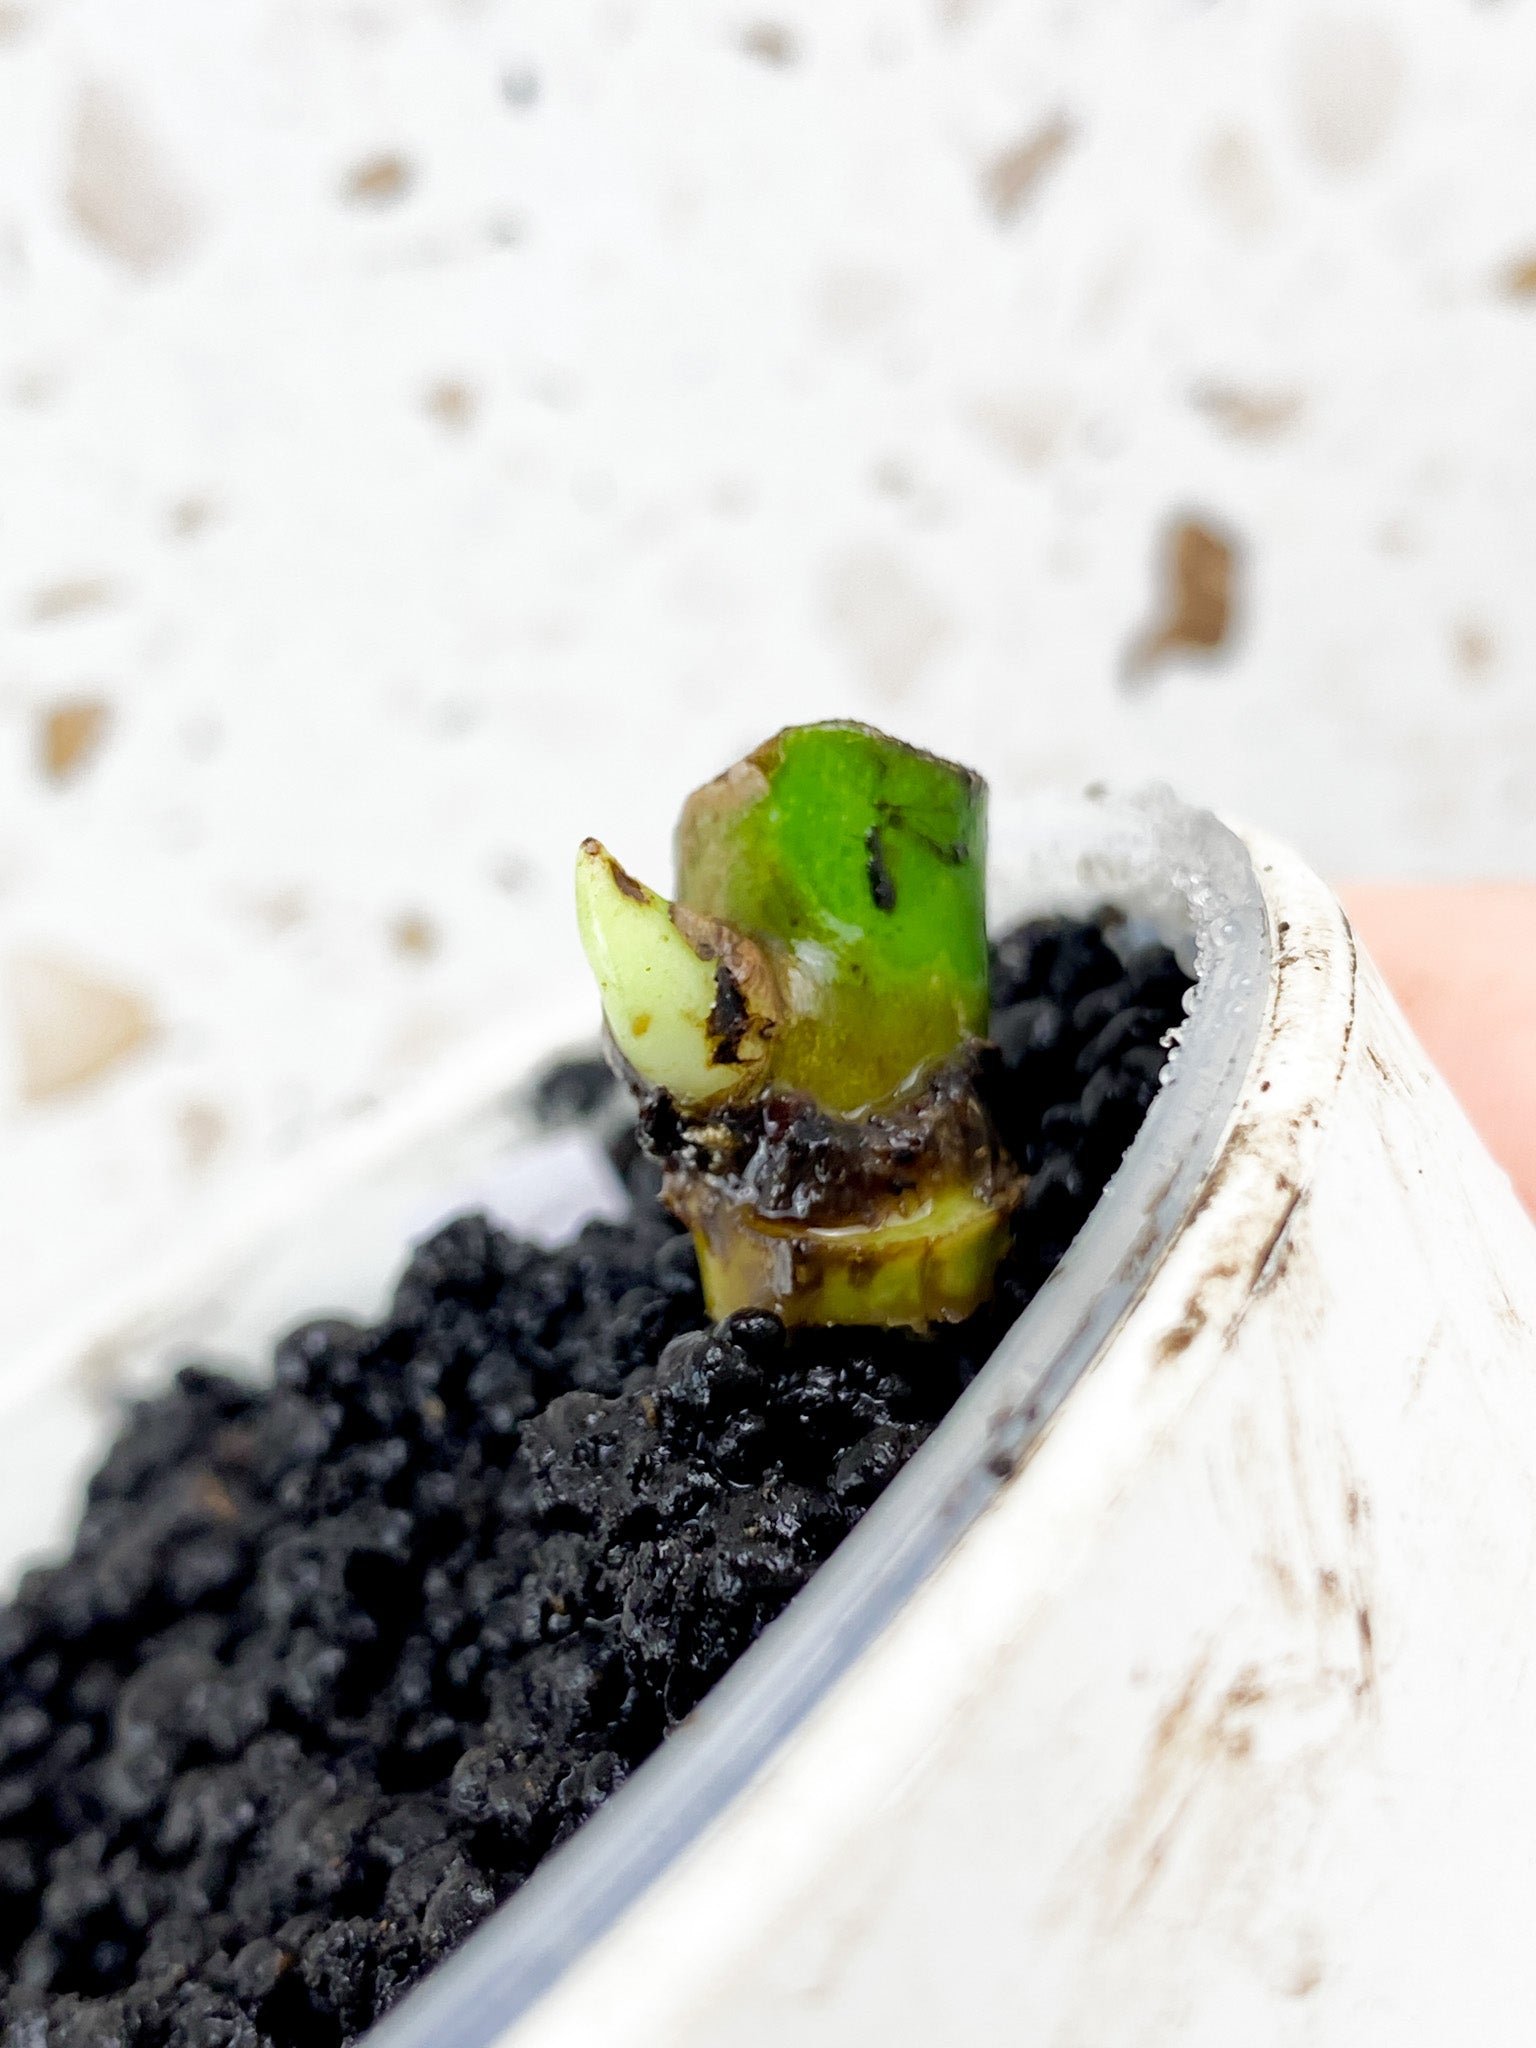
(337, 1660)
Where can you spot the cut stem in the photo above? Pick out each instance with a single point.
(801, 1027)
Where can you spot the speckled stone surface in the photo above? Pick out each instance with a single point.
(429, 433)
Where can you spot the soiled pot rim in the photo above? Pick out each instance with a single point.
(1178, 873)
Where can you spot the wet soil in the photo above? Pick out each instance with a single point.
(336, 1660)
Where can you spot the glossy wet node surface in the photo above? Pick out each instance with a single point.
(337, 1660)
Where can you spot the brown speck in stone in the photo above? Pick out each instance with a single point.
(67, 599)
(888, 622)
(458, 715)
(14, 21)
(1475, 649)
(1012, 177)
(69, 1025)
(201, 734)
(854, 302)
(1234, 183)
(413, 936)
(35, 387)
(1520, 278)
(557, 388)
(1026, 430)
(770, 42)
(378, 180)
(732, 497)
(189, 516)
(117, 191)
(1199, 570)
(1346, 83)
(69, 733)
(892, 477)
(1249, 414)
(511, 873)
(280, 911)
(202, 1130)
(451, 404)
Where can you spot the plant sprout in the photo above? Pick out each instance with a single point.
(801, 1026)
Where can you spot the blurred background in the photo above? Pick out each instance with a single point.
(432, 431)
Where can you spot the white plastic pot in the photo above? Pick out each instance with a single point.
(1178, 1691)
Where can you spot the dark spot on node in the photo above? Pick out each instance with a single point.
(882, 883)
(727, 1022)
(626, 884)
(953, 853)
